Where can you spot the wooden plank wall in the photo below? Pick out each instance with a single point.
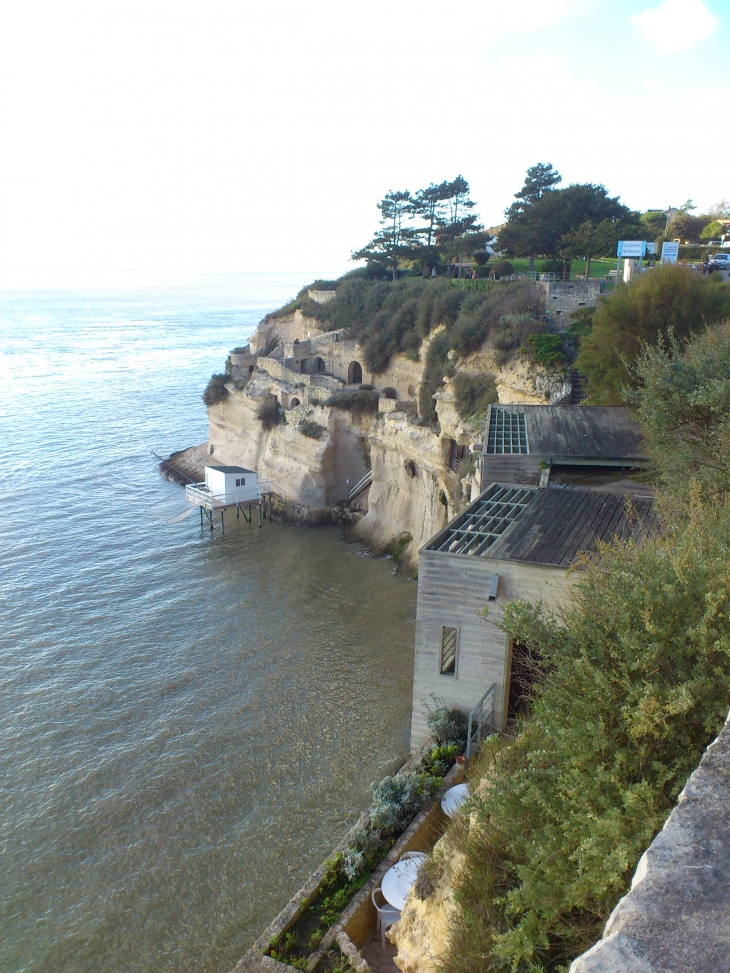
(452, 591)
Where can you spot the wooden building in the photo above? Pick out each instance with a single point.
(229, 485)
(512, 542)
(521, 441)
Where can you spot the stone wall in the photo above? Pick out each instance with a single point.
(564, 297)
(676, 918)
(286, 328)
(334, 353)
(359, 918)
(321, 297)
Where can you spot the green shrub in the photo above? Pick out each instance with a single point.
(273, 343)
(548, 349)
(318, 285)
(216, 390)
(377, 351)
(269, 414)
(389, 392)
(484, 311)
(446, 305)
(481, 257)
(398, 547)
(683, 400)
(433, 375)
(635, 684)
(712, 231)
(473, 393)
(446, 725)
(502, 268)
(364, 387)
(310, 429)
(667, 300)
(507, 338)
(358, 402)
(552, 266)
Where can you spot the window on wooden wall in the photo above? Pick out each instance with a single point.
(449, 650)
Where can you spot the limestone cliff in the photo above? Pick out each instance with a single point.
(411, 487)
(421, 474)
(310, 473)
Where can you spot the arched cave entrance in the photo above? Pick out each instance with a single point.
(354, 373)
(319, 365)
(294, 403)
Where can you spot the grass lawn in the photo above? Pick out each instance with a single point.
(599, 268)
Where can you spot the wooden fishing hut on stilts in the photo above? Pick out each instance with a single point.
(230, 486)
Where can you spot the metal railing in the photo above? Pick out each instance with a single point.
(268, 486)
(481, 718)
(200, 494)
(360, 485)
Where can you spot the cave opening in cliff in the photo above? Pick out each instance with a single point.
(319, 365)
(354, 373)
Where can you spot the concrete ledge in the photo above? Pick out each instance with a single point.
(356, 922)
(676, 917)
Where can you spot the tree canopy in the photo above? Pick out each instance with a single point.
(435, 222)
(394, 239)
(686, 228)
(550, 221)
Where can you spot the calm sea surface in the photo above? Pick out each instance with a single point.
(187, 722)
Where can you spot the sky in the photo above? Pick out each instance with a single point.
(242, 136)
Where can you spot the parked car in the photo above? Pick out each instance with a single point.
(722, 260)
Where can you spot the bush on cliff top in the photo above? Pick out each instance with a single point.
(269, 414)
(216, 390)
(668, 300)
(387, 317)
(474, 393)
(359, 402)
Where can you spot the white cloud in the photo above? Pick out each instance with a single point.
(676, 25)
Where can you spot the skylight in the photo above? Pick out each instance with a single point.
(484, 521)
(507, 432)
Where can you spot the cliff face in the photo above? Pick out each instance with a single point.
(410, 481)
(414, 490)
(313, 473)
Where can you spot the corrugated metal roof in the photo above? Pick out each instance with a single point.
(587, 432)
(550, 527)
(560, 523)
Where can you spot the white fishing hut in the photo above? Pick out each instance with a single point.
(227, 486)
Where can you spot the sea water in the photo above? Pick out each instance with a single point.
(188, 721)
